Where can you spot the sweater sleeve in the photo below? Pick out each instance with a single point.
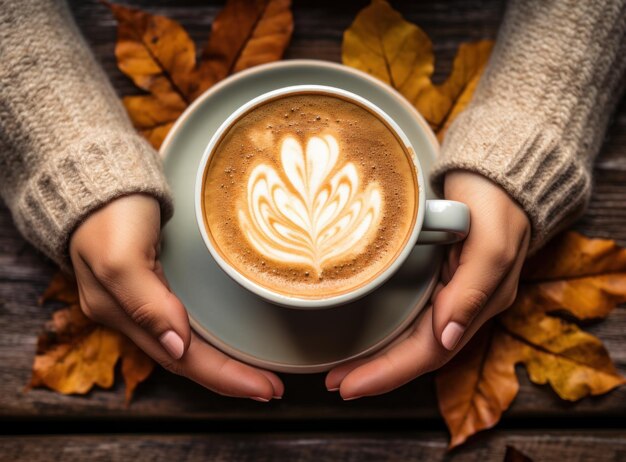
(540, 111)
(66, 144)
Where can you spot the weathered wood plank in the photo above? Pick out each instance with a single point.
(600, 446)
(24, 273)
(165, 395)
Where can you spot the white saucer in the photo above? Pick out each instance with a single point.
(241, 324)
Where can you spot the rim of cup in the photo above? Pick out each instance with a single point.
(295, 301)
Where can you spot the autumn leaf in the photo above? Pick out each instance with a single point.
(243, 35)
(159, 56)
(60, 289)
(585, 278)
(385, 45)
(74, 353)
(478, 384)
(555, 351)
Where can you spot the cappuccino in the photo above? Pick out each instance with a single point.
(309, 195)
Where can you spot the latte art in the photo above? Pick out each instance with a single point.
(311, 212)
(309, 195)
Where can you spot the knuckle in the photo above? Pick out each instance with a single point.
(144, 316)
(475, 300)
(501, 255)
(111, 267)
(173, 366)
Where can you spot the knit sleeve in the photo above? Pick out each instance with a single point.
(66, 144)
(540, 111)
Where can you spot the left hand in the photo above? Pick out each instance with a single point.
(479, 279)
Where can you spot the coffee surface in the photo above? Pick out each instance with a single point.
(309, 195)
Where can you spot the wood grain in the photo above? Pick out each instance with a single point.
(598, 446)
(318, 31)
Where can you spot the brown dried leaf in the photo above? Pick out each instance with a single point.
(245, 33)
(160, 57)
(478, 384)
(60, 289)
(155, 52)
(74, 353)
(136, 367)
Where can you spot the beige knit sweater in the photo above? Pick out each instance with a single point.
(535, 124)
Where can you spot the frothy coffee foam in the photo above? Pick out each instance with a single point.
(309, 195)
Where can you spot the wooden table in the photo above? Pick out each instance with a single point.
(175, 419)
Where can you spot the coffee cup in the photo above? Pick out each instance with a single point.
(311, 197)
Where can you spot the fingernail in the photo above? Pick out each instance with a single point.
(351, 398)
(333, 389)
(174, 345)
(259, 398)
(277, 397)
(451, 335)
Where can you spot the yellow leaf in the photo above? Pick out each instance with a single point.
(557, 352)
(437, 103)
(586, 277)
(74, 354)
(385, 45)
(381, 43)
(76, 367)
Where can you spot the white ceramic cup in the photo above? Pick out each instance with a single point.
(437, 221)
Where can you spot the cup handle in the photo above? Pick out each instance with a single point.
(445, 222)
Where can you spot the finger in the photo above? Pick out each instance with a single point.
(421, 352)
(203, 364)
(417, 354)
(481, 268)
(336, 375)
(277, 384)
(146, 299)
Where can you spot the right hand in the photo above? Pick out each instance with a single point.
(121, 285)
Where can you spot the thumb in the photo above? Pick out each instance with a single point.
(147, 300)
(475, 280)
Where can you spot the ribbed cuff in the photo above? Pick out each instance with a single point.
(525, 158)
(91, 173)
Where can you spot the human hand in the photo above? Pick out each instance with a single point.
(121, 285)
(479, 279)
